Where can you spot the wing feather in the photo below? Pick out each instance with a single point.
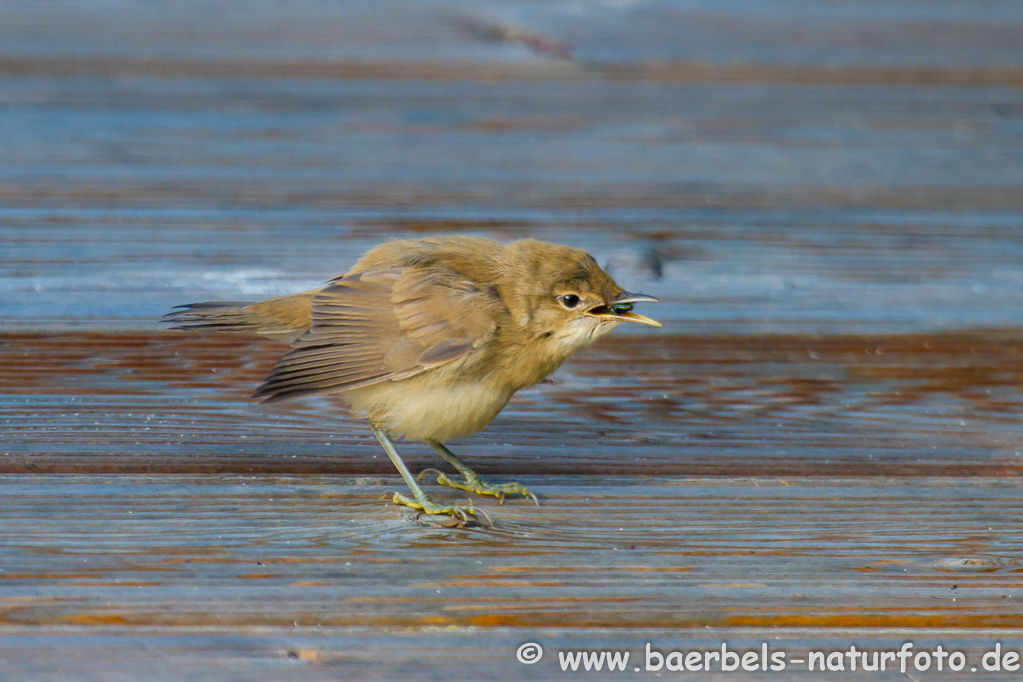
(382, 325)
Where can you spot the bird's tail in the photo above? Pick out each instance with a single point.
(285, 318)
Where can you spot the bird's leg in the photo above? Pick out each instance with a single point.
(419, 500)
(473, 482)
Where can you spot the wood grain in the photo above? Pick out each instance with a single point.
(822, 447)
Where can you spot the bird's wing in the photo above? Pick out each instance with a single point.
(383, 325)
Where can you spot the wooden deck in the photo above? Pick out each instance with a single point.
(823, 446)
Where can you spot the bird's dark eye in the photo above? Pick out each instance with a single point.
(569, 300)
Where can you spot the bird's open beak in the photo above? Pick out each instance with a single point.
(621, 309)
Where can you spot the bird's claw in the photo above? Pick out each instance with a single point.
(462, 516)
(436, 472)
(475, 484)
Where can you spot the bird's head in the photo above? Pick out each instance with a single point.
(567, 299)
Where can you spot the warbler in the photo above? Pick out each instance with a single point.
(430, 338)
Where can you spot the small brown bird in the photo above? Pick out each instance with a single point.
(430, 338)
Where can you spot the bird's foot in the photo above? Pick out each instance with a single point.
(460, 516)
(474, 483)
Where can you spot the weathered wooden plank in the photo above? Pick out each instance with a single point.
(821, 448)
(748, 209)
(783, 405)
(941, 34)
(269, 561)
(717, 272)
(441, 653)
(629, 552)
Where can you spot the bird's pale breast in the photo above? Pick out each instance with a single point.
(425, 408)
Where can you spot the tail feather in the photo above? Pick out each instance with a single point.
(285, 318)
(212, 316)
